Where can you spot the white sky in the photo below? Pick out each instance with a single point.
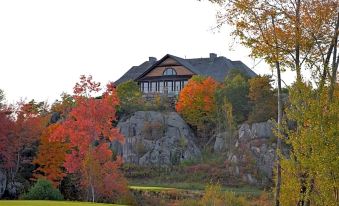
(46, 45)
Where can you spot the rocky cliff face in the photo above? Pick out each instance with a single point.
(251, 154)
(156, 138)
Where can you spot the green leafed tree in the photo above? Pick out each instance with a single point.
(130, 96)
(263, 100)
(235, 89)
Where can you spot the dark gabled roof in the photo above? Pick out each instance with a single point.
(135, 72)
(216, 67)
(219, 67)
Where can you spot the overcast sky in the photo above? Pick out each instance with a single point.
(46, 45)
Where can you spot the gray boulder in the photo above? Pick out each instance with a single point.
(157, 138)
(245, 132)
(262, 129)
(222, 142)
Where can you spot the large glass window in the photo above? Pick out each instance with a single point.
(169, 86)
(161, 86)
(153, 86)
(169, 71)
(144, 87)
(177, 86)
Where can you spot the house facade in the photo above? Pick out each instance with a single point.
(170, 74)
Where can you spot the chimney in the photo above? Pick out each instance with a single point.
(152, 59)
(213, 56)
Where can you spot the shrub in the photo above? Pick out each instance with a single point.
(43, 190)
(214, 196)
(232, 200)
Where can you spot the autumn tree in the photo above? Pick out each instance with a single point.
(88, 131)
(311, 172)
(63, 106)
(262, 98)
(196, 102)
(30, 119)
(50, 158)
(6, 140)
(287, 34)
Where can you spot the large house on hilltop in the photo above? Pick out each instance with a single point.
(171, 73)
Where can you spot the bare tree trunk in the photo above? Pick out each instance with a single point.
(278, 151)
(335, 62)
(297, 42)
(17, 163)
(92, 193)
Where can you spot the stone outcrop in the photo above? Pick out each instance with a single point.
(252, 153)
(156, 138)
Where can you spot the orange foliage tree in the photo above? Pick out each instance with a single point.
(50, 158)
(88, 130)
(196, 101)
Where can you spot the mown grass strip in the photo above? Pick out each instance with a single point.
(193, 187)
(49, 203)
(151, 188)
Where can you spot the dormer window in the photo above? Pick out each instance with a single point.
(169, 72)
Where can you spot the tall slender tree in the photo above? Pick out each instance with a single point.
(88, 130)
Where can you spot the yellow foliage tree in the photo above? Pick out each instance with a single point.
(311, 172)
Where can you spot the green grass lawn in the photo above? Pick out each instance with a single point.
(48, 203)
(192, 186)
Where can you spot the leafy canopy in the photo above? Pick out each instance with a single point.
(196, 101)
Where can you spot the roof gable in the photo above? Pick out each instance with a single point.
(166, 57)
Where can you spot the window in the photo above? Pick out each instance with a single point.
(153, 86)
(161, 87)
(169, 72)
(177, 86)
(144, 87)
(169, 86)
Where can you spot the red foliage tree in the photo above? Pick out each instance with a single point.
(88, 129)
(20, 129)
(6, 142)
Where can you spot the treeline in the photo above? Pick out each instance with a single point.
(67, 144)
